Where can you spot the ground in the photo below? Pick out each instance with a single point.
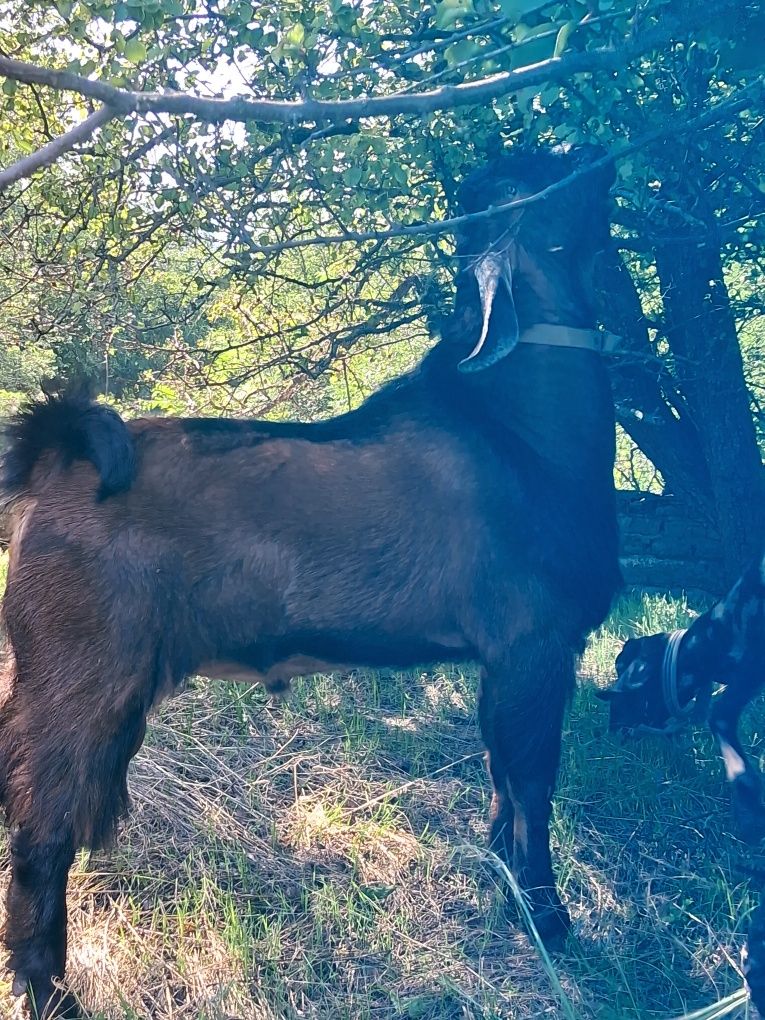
(325, 858)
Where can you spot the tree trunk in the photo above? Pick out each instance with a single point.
(647, 407)
(701, 330)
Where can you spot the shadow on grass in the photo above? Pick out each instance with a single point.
(318, 859)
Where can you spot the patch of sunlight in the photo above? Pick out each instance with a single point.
(119, 954)
(395, 722)
(438, 695)
(381, 853)
(313, 819)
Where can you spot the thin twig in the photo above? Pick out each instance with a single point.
(56, 148)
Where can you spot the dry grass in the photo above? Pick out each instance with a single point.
(324, 858)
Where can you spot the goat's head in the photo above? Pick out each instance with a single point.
(662, 681)
(509, 259)
(636, 700)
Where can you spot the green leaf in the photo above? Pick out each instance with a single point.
(345, 17)
(448, 12)
(561, 40)
(461, 51)
(352, 176)
(515, 9)
(135, 50)
(294, 37)
(535, 49)
(399, 174)
(9, 87)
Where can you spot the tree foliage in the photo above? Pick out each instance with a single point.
(177, 253)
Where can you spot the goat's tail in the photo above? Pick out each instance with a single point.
(77, 428)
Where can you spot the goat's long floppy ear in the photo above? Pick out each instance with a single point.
(633, 678)
(499, 320)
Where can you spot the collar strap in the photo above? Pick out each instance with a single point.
(669, 677)
(551, 335)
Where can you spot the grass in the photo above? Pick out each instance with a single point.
(325, 858)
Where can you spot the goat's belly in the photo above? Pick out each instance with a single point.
(276, 680)
(274, 667)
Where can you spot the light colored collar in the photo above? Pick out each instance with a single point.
(669, 678)
(551, 335)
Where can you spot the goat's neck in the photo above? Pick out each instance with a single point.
(726, 639)
(549, 288)
(558, 401)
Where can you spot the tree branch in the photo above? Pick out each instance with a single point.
(56, 148)
(675, 127)
(273, 111)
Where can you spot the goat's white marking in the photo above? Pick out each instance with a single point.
(735, 765)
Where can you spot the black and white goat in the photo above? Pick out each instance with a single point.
(667, 678)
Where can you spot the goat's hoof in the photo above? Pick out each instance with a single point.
(748, 809)
(553, 924)
(62, 1006)
(754, 975)
(749, 826)
(56, 1005)
(754, 959)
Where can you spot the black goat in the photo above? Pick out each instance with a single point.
(466, 511)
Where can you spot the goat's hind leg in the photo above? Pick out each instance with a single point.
(35, 930)
(521, 713)
(754, 958)
(63, 786)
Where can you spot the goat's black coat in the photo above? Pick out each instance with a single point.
(453, 516)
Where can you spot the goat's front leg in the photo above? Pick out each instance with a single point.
(745, 779)
(522, 702)
(501, 836)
